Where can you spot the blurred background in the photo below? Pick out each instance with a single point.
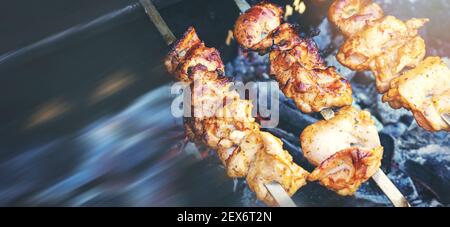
(85, 107)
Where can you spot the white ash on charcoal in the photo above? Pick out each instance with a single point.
(248, 66)
(364, 91)
(324, 36)
(395, 130)
(390, 116)
(429, 167)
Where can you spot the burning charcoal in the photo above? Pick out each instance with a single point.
(370, 192)
(229, 69)
(292, 120)
(248, 198)
(247, 66)
(405, 184)
(416, 138)
(364, 94)
(388, 115)
(280, 133)
(429, 167)
(395, 130)
(323, 39)
(388, 144)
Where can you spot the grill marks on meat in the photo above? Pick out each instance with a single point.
(303, 77)
(223, 122)
(389, 47)
(347, 169)
(346, 150)
(295, 61)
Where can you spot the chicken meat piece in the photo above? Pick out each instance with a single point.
(238, 159)
(303, 77)
(257, 23)
(425, 90)
(346, 150)
(274, 164)
(352, 16)
(304, 52)
(177, 55)
(283, 38)
(390, 64)
(347, 169)
(190, 52)
(361, 49)
(221, 119)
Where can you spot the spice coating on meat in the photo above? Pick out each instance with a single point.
(425, 91)
(346, 150)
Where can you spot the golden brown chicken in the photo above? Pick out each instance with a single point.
(388, 46)
(384, 45)
(273, 164)
(303, 77)
(222, 121)
(425, 91)
(295, 62)
(256, 23)
(390, 64)
(363, 47)
(346, 150)
(351, 16)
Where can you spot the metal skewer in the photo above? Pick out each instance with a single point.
(275, 189)
(159, 22)
(380, 178)
(242, 5)
(446, 118)
(280, 195)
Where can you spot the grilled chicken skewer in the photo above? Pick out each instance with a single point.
(303, 76)
(388, 46)
(223, 122)
(295, 61)
(242, 148)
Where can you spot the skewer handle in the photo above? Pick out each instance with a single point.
(446, 118)
(280, 195)
(242, 5)
(391, 191)
(327, 113)
(158, 21)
